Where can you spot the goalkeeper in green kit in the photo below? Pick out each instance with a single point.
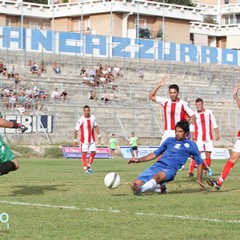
(8, 161)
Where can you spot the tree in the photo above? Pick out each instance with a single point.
(37, 1)
(179, 2)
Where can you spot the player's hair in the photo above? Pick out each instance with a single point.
(173, 86)
(198, 100)
(86, 106)
(184, 125)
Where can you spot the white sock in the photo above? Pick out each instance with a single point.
(150, 185)
(157, 189)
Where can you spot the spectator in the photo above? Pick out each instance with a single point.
(16, 79)
(83, 72)
(105, 97)
(43, 67)
(116, 71)
(55, 94)
(11, 72)
(64, 95)
(4, 71)
(56, 68)
(29, 64)
(34, 69)
(92, 95)
(42, 94)
(13, 100)
(112, 97)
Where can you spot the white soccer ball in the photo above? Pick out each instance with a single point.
(112, 180)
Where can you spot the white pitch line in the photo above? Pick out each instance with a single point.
(119, 211)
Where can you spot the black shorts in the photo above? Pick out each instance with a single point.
(135, 148)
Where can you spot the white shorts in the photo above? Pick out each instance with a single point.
(236, 147)
(85, 147)
(205, 146)
(167, 134)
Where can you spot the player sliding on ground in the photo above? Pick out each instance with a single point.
(8, 161)
(234, 156)
(176, 152)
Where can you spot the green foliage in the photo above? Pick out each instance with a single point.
(53, 152)
(179, 2)
(53, 199)
(37, 1)
(23, 151)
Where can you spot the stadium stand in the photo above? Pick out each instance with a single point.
(133, 111)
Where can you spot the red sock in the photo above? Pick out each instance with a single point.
(91, 158)
(208, 161)
(204, 165)
(226, 170)
(84, 161)
(192, 165)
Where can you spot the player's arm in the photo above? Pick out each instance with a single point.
(216, 134)
(9, 124)
(149, 157)
(197, 157)
(152, 94)
(235, 95)
(75, 133)
(98, 133)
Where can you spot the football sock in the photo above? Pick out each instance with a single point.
(205, 166)
(208, 161)
(84, 161)
(7, 167)
(91, 158)
(226, 170)
(192, 165)
(150, 185)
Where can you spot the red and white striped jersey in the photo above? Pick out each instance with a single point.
(86, 128)
(174, 111)
(205, 122)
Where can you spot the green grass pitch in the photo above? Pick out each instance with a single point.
(54, 199)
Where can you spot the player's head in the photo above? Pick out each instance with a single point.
(132, 133)
(181, 130)
(113, 135)
(86, 111)
(173, 91)
(199, 104)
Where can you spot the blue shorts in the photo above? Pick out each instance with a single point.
(156, 168)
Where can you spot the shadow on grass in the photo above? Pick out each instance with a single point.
(34, 190)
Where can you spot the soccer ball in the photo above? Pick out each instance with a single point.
(112, 180)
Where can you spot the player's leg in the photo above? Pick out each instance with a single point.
(84, 150)
(227, 168)
(132, 152)
(191, 167)
(136, 152)
(8, 162)
(208, 159)
(92, 149)
(151, 177)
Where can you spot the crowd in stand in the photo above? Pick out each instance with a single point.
(26, 98)
(103, 76)
(100, 75)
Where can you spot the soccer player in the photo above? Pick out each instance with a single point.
(234, 155)
(87, 124)
(176, 152)
(134, 145)
(112, 145)
(174, 108)
(203, 134)
(8, 161)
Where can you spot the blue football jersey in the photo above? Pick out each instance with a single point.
(176, 153)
